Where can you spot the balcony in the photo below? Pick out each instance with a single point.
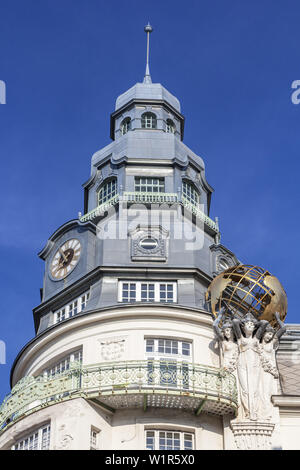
(131, 384)
(151, 198)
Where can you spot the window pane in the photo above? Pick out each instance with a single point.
(170, 126)
(125, 126)
(190, 193)
(149, 121)
(150, 345)
(186, 349)
(108, 191)
(150, 440)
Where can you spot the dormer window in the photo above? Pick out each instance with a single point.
(149, 121)
(125, 125)
(170, 126)
(190, 193)
(107, 191)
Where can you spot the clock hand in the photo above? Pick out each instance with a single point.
(63, 255)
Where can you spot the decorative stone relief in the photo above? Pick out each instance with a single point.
(72, 409)
(99, 175)
(222, 258)
(112, 349)
(64, 439)
(252, 435)
(155, 250)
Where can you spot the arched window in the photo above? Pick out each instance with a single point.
(107, 191)
(125, 125)
(170, 126)
(149, 121)
(190, 193)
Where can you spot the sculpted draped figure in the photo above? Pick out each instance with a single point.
(248, 349)
(249, 332)
(228, 345)
(269, 371)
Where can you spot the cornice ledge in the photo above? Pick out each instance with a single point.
(116, 160)
(292, 401)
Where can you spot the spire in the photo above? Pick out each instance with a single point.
(148, 29)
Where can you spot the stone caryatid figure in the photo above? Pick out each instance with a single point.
(249, 332)
(227, 342)
(269, 371)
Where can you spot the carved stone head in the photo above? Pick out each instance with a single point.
(227, 330)
(249, 324)
(269, 333)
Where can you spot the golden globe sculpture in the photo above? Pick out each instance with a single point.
(245, 289)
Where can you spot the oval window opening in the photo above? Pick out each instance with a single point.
(148, 243)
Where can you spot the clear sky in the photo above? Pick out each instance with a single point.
(64, 62)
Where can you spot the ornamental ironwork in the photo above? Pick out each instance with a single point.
(159, 383)
(151, 198)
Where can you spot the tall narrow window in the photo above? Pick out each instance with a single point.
(125, 125)
(149, 121)
(107, 191)
(147, 292)
(149, 185)
(170, 358)
(170, 126)
(190, 193)
(94, 439)
(37, 440)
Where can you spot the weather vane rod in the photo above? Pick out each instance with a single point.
(148, 29)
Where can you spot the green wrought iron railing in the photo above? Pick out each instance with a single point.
(100, 210)
(151, 198)
(146, 378)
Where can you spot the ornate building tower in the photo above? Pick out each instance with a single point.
(124, 355)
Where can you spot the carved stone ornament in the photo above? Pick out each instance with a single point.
(65, 439)
(153, 250)
(252, 435)
(72, 409)
(99, 175)
(112, 349)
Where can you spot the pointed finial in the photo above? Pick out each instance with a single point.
(148, 29)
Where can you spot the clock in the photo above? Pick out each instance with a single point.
(65, 259)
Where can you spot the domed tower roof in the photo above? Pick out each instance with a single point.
(147, 91)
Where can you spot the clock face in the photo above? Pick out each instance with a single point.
(65, 259)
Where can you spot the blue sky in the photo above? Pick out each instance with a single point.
(64, 62)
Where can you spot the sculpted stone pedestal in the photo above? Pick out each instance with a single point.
(252, 435)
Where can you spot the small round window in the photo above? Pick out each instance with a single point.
(149, 243)
(223, 265)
